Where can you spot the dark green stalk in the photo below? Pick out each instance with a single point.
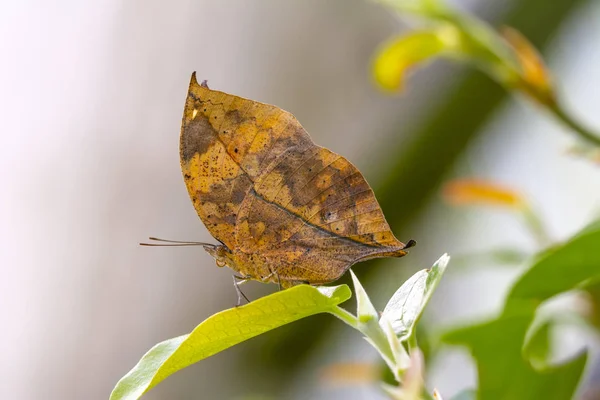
(564, 117)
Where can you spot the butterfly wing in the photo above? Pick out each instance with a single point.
(225, 140)
(261, 186)
(313, 215)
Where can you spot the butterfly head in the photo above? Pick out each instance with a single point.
(221, 254)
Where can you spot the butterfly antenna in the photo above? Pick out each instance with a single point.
(168, 243)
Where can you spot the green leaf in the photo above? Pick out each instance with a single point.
(225, 329)
(496, 348)
(406, 305)
(368, 324)
(401, 357)
(365, 311)
(593, 291)
(499, 346)
(503, 374)
(537, 345)
(559, 382)
(398, 54)
(563, 268)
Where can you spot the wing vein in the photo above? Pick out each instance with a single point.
(260, 165)
(306, 222)
(337, 201)
(352, 216)
(311, 179)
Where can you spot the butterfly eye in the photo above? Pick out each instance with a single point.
(220, 263)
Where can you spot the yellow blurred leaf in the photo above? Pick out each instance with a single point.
(399, 54)
(537, 79)
(473, 191)
(346, 374)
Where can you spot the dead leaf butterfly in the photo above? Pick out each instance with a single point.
(284, 209)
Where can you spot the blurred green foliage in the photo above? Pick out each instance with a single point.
(507, 363)
(415, 168)
(507, 57)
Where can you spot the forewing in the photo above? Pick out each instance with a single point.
(225, 142)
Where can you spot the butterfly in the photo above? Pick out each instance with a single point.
(283, 209)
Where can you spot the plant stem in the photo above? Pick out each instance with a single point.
(375, 335)
(412, 341)
(536, 226)
(345, 316)
(562, 115)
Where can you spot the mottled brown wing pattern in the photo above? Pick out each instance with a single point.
(225, 141)
(314, 213)
(261, 186)
(312, 190)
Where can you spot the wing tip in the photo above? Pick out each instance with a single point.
(404, 250)
(400, 251)
(409, 244)
(194, 81)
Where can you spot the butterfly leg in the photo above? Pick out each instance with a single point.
(240, 294)
(266, 278)
(273, 272)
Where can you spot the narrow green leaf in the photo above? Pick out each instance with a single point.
(368, 324)
(365, 311)
(561, 269)
(225, 329)
(406, 305)
(400, 354)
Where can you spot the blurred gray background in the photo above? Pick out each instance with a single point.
(91, 101)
